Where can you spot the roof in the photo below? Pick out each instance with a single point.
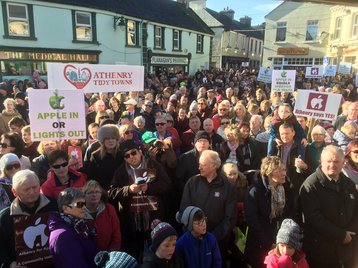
(160, 11)
(331, 2)
(235, 25)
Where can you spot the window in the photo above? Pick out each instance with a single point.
(338, 28)
(355, 26)
(281, 32)
(132, 36)
(159, 37)
(255, 46)
(199, 43)
(260, 44)
(312, 29)
(83, 22)
(251, 45)
(176, 40)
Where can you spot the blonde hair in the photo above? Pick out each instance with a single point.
(123, 129)
(233, 129)
(241, 181)
(318, 130)
(100, 114)
(269, 164)
(41, 147)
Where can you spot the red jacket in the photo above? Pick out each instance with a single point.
(285, 261)
(52, 186)
(109, 235)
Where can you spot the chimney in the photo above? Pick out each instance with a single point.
(246, 20)
(228, 12)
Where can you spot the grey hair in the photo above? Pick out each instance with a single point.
(259, 117)
(214, 157)
(22, 176)
(139, 118)
(67, 196)
(331, 149)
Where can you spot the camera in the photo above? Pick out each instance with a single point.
(158, 144)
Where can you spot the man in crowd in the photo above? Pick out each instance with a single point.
(352, 115)
(189, 135)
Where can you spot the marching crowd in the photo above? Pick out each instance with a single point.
(205, 170)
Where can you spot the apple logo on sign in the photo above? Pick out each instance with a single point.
(317, 101)
(32, 233)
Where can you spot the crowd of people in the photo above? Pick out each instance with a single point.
(204, 170)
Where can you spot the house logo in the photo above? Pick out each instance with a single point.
(314, 71)
(79, 77)
(34, 236)
(317, 101)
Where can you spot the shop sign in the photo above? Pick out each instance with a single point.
(292, 51)
(40, 56)
(169, 60)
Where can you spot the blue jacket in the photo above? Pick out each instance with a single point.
(199, 253)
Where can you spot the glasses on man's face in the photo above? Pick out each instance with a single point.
(224, 123)
(160, 124)
(201, 222)
(4, 145)
(64, 164)
(79, 204)
(104, 117)
(13, 166)
(131, 153)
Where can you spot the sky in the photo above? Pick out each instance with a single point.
(256, 9)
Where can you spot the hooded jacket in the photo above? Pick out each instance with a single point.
(285, 261)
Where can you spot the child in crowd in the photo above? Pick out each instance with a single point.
(287, 253)
(198, 248)
(284, 114)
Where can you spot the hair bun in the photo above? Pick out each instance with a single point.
(154, 223)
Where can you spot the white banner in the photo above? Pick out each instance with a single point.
(345, 68)
(314, 72)
(95, 77)
(283, 80)
(265, 75)
(318, 105)
(330, 70)
(57, 114)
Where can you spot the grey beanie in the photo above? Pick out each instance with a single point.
(186, 217)
(289, 234)
(108, 131)
(7, 159)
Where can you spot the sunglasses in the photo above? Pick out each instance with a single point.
(79, 204)
(64, 164)
(13, 166)
(104, 117)
(131, 153)
(160, 124)
(4, 145)
(224, 123)
(128, 132)
(222, 110)
(201, 103)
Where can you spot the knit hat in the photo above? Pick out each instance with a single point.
(148, 137)
(160, 231)
(20, 95)
(186, 217)
(128, 145)
(115, 259)
(108, 131)
(193, 106)
(289, 234)
(201, 134)
(6, 159)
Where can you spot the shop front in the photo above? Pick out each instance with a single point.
(169, 64)
(20, 63)
(229, 62)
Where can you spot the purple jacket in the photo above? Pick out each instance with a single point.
(68, 248)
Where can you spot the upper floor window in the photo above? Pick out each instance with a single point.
(251, 45)
(312, 29)
(355, 26)
(281, 31)
(176, 40)
(338, 28)
(83, 26)
(200, 43)
(132, 33)
(159, 37)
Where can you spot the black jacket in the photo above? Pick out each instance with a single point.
(187, 167)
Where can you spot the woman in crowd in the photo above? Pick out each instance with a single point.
(182, 122)
(72, 239)
(247, 149)
(350, 168)
(103, 217)
(267, 203)
(100, 116)
(224, 123)
(12, 143)
(116, 108)
(126, 133)
(60, 175)
(240, 114)
(30, 146)
(314, 149)
(9, 165)
(6, 115)
(229, 149)
(139, 125)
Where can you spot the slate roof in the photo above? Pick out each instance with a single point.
(235, 25)
(161, 11)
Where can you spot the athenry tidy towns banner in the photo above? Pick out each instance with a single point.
(57, 114)
(95, 77)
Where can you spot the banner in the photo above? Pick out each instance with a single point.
(95, 77)
(265, 75)
(57, 114)
(317, 105)
(283, 80)
(345, 68)
(330, 70)
(314, 72)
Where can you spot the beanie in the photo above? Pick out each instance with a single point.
(115, 259)
(186, 217)
(289, 234)
(201, 134)
(20, 95)
(193, 106)
(6, 159)
(108, 131)
(160, 231)
(128, 145)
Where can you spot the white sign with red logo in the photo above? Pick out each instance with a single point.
(317, 104)
(95, 77)
(314, 72)
(283, 80)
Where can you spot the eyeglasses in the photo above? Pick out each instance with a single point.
(160, 124)
(94, 192)
(224, 123)
(79, 204)
(13, 166)
(201, 222)
(64, 164)
(104, 117)
(128, 132)
(4, 145)
(222, 110)
(201, 103)
(131, 153)
(148, 105)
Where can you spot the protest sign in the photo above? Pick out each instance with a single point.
(314, 72)
(57, 114)
(95, 77)
(330, 70)
(283, 80)
(265, 75)
(345, 68)
(317, 105)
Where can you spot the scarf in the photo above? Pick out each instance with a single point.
(278, 201)
(81, 226)
(232, 156)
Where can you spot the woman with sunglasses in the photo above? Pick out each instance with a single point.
(126, 133)
(9, 165)
(224, 123)
(12, 143)
(100, 116)
(61, 176)
(72, 239)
